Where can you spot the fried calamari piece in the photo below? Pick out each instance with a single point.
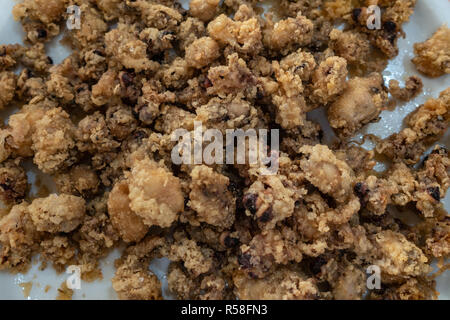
(433, 56)
(155, 194)
(8, 81)
(54, 141)
(243, 36)
(360, 103)
(270, 200)
(134, 281)
(329, 79)
(129, 224)
(289, 34)
(123, 45)
(202, 52)
(57, 213)
(282, 284)
(397, 257)
(326, 172)
(204, 10)
(413, 86)
(424, 126)
(13, 182)
(267, 250)
(19, 239)
(210, 198)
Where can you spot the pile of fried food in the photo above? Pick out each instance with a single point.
(99, 125)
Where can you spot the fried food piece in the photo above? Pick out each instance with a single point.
(433, 56)
(53, 141)
(288, 34)
(398, 258)
(329, 79)
(53, 214)
(132, 281)
(13, 182)
(242, 36)
(413, 86)
(284, 284)
(130, 226)
(8, 82)
(19, 239)
(203, 10)
(202, 52)
(424, 125)
(329, 174)
(155, 194)
(360, 103)
(269, 200)
(210, 199)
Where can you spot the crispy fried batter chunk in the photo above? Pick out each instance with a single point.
(53, 141)
(433, 56)
(397, 257)
(13, 182)
(329, 79)
(425, 125)
(329, 174)
(8, 82)
(19, 239)
(129, 224)
(53, 214)
(125, 47)
(242, 36)
(283, 284)
(155, 194)
(204, 10)
(413, 86)
(360, 103)
(133, 281)
(270, 200)
(202, 52)
(210, 198)
(288, 34)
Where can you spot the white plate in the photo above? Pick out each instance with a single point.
(428, 16)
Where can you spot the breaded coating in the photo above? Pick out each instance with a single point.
(288, 34)
(242, 36)
(155, 194)
(13, 182)
(19, 239)
(210, 199)
(202, 52)
(57, 213)
(129, 224)
(134, 282)
(413, 86)
(433, 56)
(360, 103)
(399, 258)
(53, 141)
(204, 10)
(8, 82)
(329, 174)
(284, 284)
(329, 79)
(424, 125)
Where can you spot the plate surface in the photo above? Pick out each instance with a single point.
(428, 16)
